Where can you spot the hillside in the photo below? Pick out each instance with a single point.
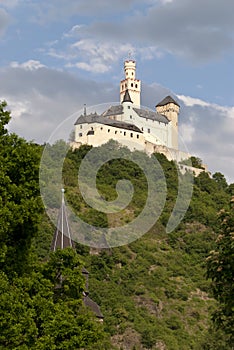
(153, 292)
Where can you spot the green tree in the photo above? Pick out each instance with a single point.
(44, 310)
(220, 269)
(220, 180)
(20, 204)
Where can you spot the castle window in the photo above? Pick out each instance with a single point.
(131, 84)
(132, 73)
(101, 127)
(91, 128)
(80, 126)
(131, 134)
(129, 107)
(115, 131)
(149, 131)
(142, 129)
(124, 133)
(130, 116)
(80, 134)
(126, 85)
(136, 86)
(137, 136)
(108, 130)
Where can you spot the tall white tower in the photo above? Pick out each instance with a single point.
(130, 83)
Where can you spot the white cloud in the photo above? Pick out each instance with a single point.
(95, 67)
(191, 101)
(28, 65)
(91, 55)
(74, 31)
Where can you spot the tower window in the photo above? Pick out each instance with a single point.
(136, 86)
(129, 107)
(131, 84)
(137, 136)
(108, 130)
(130, 116)
(115, 131)
(149, 131)
(124, 133)
(132, 73)
(80, 126)
(131, 134)
(80, 134)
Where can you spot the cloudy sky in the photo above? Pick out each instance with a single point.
(57, 55)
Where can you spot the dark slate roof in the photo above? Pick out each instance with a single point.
(94, 118)
(127, 97)
(113, 110)
(166, 101)
(151, 115)
(62, 235)
(93, 306)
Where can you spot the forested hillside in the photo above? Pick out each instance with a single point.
(163, 291)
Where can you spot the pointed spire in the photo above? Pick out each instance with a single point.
(62, 235)
(127, 97)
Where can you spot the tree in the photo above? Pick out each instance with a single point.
(220, 180)
(20, 204)
(44, 310)
(220, 265)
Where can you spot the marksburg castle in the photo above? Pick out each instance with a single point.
(131, 125)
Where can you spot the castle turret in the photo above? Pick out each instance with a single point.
(130, 83)
(170, 108)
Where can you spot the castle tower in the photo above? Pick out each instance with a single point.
(130, 83)
(170, 108)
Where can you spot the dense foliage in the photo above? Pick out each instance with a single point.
(154, 292)
(41, 302)
(221, 271)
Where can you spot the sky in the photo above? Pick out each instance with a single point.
(57, 55)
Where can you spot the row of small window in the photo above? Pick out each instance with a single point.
(148, 130)
(132, 85)
(124, 133)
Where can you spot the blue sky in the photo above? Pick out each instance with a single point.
(58, 55)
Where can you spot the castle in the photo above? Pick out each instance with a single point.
(130, 124)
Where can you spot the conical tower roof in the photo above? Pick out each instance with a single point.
(127, 97)
(166, 101)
